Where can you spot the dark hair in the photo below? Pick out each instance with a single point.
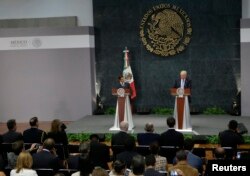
(150, 160)
(149, 127)
(129, 143)
(170, 122)
(33, 121)
(17, 147)
(138, 165)
(188, 144)
(119, 166)
(154, 148)
(11, 124)
(49, 144)
(181, 155)
(84, 162)
(119, 77)
(233, 124)
(94, 137)
(59, 174)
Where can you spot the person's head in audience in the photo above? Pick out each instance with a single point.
(94, 138)
(188, 144)
(49, 144)
(24, 161)
(98, 171)
(2, 173)
(233, 125)
(119, 167)
(11, 124)
(55, 126)
(17, 147)
(154, 148)
(138, 165)
(129, 144)
(150, 161)
(84, 161)
(170, 122)
(59, 174)
(183, 74)
(149, 127)
(124, 126)
(34, 122)
(219, 153)
(181, 155)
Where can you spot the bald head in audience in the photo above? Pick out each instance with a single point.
(124, 126)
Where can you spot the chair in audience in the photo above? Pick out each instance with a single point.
(229, 152)
(116, 150)
(45, 172)
(143, 150)
(73, 148)
(67, 172)
(169, 152)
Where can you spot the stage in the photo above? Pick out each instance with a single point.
(201, 124)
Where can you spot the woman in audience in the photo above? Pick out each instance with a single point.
(161, 162)
(23, 165)
(57, 132)
(119, 168)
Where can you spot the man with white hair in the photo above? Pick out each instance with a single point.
(121, 136)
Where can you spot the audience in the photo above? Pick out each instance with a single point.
(23, 165)
(2, 173)
(182, 164)
(47, 154)
(150, 166)
(161, 162)
(129, 152)
(17, 148)
(231, 137)
(33, 134)
(98, 171)
(121, 136)
(99, 153)
(137, 165)
(149, 136)
(119, 168)
(57, 132)
(172, 137)
(192, 159)
(11, 136)
(219, 153)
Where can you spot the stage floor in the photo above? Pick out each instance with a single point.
(201, 124)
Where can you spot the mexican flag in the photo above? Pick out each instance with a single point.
(127, 73)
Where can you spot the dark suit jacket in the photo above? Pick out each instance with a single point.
(126, 157)
(229, 138)
(188, 83)
(12, 136)
(125, 86)
(99, 154)
(147, 138)
(33, 135)
(45, 159)
(152, 172)
(119, 138)
(172, 138)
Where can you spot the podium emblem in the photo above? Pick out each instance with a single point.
(180, 92)
(121, 92)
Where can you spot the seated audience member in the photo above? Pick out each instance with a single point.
(171, 137)
(192, 160)
(34, 134)
(12, 136)
(149, 136)
(161, 162)
(119, 168)
(23, 165)
(85, 167)
(59, 174)
(2, 173)
(137, 165)
(46, 158)
(98, 171)
(99, 153)
(129, 152)
(120, 137)
(57, 132)
(231, 137)
(150, 166)
(219, 153)
(182, 164)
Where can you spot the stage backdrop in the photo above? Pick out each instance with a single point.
(212, 58)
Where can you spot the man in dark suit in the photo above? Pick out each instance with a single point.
(129, 152)
(122, 83)
(33, 134)
(121, 136)
(12, 136)
(171, 137)
(149, 136)
(46, 158)
(231, 137)
(99, 153)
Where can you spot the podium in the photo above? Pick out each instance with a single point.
(123, 109)
(181, 108)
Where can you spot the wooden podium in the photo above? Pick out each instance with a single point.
(123, 109)
(180, 104)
